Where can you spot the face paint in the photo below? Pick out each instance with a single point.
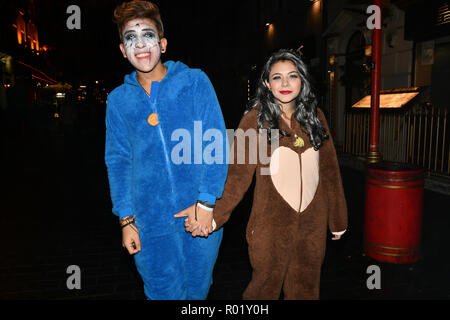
(140, 39)
(142, 44)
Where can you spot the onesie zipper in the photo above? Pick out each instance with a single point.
(153, 109)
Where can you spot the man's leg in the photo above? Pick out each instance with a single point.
(161, 266)
(200, 256)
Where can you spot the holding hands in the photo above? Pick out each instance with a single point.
(199, 220)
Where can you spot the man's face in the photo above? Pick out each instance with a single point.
(141, 44)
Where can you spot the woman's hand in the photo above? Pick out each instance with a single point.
(336, 237)
(203, 227)
(130, 239)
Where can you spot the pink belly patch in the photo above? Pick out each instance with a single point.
(295, 179)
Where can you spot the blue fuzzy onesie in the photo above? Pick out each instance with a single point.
(159, 168)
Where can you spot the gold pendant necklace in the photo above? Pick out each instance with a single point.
(298, 142)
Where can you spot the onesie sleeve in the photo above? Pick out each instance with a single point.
(240, 175)
(214, 144)
(118, 161)
(332, 182)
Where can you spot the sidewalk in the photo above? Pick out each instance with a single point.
(56, 212)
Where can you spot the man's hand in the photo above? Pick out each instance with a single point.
(200, 227)
(190, 214)
(130, 239)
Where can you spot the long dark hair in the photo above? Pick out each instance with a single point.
(305, 104)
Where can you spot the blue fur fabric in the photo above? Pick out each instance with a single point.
(156, 171)
(178, 266)
(143, 178)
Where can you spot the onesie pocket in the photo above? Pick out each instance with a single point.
(249, 234)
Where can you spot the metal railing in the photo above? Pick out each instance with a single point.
(419, 135)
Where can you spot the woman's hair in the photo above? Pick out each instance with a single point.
(137, 9)
(305, 104)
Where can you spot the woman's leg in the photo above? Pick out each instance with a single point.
(302, 280)
(269, 252)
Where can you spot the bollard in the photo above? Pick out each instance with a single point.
(393, 212)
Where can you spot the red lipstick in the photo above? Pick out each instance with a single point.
(285, 92)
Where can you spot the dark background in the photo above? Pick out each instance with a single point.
(202, 34)
(229, 40)
(55, 204)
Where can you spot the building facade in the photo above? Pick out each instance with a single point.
(415, 56)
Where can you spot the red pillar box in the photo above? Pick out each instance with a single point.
(393, 212)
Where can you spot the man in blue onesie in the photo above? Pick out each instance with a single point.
(165, 154)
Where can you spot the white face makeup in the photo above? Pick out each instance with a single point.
(141, 44)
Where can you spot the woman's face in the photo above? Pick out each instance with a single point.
(284, 82)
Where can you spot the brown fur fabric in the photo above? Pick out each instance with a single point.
(286, 247)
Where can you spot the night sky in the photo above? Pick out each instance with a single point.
(93, 50)
(223, 39)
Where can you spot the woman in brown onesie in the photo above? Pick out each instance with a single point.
(298, 191)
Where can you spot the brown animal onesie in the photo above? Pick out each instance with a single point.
(292, 207)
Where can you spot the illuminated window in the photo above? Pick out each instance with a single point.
(390, 99)
(443, 14)
(33, 36)
(20, 24)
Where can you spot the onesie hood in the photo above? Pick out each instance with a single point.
(173, 69)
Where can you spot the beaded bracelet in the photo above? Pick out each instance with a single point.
(127, 220)
(132, 226)
(127, 224)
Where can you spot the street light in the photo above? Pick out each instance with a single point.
(270, 29)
